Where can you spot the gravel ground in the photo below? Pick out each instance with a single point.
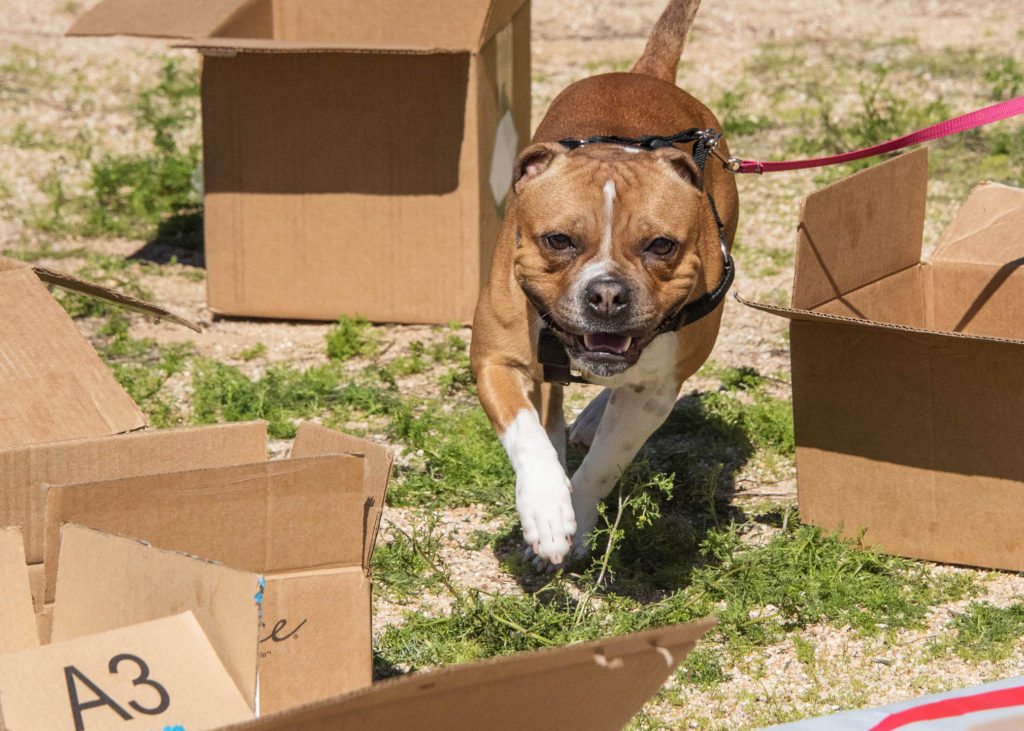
(81, 87)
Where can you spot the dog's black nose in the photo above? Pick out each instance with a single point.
(607, 297)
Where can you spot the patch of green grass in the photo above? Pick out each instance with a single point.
(1007, 79)
(731, 110)
(285, 394)
(983, 632)
(352, 336)
(139, 195)
(143, 368)
(454, 459)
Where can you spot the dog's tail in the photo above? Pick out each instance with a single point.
(665, 45)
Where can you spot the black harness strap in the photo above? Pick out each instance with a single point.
(551, 352)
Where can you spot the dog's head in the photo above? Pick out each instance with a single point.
(608, 244)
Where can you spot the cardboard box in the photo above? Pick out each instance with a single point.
(129, 679)
(105, 582)
(307, 524)
(26, 471)
(996, 706)
(136, 676)
(591, 686)
(356, 155)
(907, 394)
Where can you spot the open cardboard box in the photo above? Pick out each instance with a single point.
(196, 663)
(907, 394)
(127, 652)
(307, 524)
(356, 155)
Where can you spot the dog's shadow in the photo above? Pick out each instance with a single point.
(682, 485)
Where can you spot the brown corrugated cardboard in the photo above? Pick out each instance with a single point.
(17, 619)
(350, 149)
(154, 675)
(590, 686)
(105, 582)
(25, 471)
(906, 373)
(307, 523)
(54, 386)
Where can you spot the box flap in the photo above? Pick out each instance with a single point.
(24, 471)
(97, 291)
(18, 628)
(323, 24)
(232, 46)
(53, 385)
(594, 685)
(986, 229)
(154, 675)
(860, 229)
(313, 440)
(157, 18)
(285, 515)
(106, 581)
(792, 313)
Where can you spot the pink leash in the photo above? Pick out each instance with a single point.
(994, 113)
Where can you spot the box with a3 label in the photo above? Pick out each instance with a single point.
(304, 525)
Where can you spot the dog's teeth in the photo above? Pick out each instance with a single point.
(607, 342)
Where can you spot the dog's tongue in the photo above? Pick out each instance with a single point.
(607, 342)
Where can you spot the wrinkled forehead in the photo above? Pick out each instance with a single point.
(626, 167)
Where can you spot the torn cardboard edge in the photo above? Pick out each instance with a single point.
(107, 294)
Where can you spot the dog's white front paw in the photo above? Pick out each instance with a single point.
(544, 503)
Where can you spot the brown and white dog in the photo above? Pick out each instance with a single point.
(602, 244)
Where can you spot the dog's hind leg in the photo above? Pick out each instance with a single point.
(585, 427)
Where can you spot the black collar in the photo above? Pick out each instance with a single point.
(551, 352)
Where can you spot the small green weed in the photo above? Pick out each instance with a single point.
(404, 564)
(352, 336)
(253, 352)
(984, 632)
(1007, 80)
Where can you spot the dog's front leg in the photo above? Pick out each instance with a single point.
(631, 415)
(543, 492)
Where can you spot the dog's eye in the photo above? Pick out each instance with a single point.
(558, 242)
(661, 246)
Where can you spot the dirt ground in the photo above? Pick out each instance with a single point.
(571, 38)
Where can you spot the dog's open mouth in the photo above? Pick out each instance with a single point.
(606, 343)
(605, 353)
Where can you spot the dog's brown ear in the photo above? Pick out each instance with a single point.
(533, 161)
(683, 165)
